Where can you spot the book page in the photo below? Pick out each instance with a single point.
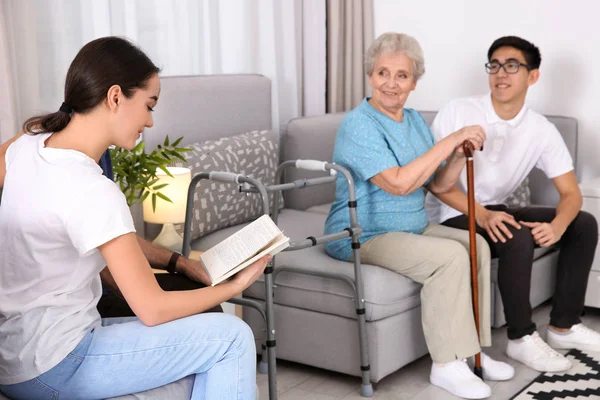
(275, 247)
(239, 247)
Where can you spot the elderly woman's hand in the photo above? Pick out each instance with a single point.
(474, 133)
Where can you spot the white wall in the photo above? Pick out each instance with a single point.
(455, 36)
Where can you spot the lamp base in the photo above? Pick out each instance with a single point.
(169, 238)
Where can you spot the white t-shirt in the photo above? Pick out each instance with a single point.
(57, 208)
(512, 149)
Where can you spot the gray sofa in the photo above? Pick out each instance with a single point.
(315, 317)
(300, 141)
(312, 313)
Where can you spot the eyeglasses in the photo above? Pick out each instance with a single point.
(510, 67)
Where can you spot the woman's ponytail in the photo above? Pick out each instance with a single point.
(48, 123)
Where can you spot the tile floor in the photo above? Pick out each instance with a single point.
(296, 381)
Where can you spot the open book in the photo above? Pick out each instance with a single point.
(243, 248)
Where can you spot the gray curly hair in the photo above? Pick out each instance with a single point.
(392, 42)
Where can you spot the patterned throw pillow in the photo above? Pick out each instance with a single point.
(218, 205)
(521, 197)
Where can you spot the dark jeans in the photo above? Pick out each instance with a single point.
(515, 259)
(112, 305)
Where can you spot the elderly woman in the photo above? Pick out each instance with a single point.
(391, 154)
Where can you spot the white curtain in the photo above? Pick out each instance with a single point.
(314, 56)
(350, 32)
(183, 37)
(8, 118)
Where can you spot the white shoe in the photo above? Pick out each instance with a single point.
(579, 337)
(458, 379)
(493, 370)
(532, 351)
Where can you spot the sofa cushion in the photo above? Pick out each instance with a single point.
(521, 197)
(218, 205)
(320, 209)
(386, 293)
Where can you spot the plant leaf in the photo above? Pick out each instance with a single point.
(152, 183)
(166, 171)
(162, 196)
(138, 148)
(179, 156)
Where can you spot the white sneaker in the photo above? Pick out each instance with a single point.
(579, 337)
(458, 379)
(532, 351)
(493, 370)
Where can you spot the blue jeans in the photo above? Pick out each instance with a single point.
(124, 356)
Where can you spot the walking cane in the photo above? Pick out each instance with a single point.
(468, 148)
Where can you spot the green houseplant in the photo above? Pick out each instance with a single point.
(135, 170)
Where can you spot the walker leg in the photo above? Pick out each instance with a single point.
(263, 365)
(270, 343)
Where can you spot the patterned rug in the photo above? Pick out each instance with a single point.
(581, 382)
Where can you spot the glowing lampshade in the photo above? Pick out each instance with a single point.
(169, 213)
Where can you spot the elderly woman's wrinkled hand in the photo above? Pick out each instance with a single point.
(474, 133)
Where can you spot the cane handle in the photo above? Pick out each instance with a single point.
(468, 149)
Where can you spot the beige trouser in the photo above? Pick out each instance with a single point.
(439, 259)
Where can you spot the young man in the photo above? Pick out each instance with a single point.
(519, 139)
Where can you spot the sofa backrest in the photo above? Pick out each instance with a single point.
(314, 137)
(205, 107)
(309, 138)
(542, 189)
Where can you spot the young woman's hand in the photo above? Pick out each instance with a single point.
(248, 275)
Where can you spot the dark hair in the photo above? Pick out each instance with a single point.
(531, 53)
(99, 65)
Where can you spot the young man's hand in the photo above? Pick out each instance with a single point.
(193, 270)
(544, 234)
(494, 222)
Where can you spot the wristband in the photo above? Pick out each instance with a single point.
(173, 263)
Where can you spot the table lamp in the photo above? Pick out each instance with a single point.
(169, 213)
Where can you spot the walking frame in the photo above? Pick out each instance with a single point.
(251, 185)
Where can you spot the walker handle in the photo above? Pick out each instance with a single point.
(314, 165)
(224, 176)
